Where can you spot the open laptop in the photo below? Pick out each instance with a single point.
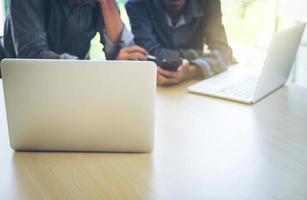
(57, 105)
(241, 85)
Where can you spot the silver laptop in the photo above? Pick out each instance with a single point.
(239, 84)
(57, 105)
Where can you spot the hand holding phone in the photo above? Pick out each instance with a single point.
(171, 64)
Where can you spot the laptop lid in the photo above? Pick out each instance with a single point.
(57, 105)
(279, 61)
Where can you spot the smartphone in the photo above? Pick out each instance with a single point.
(171, 64)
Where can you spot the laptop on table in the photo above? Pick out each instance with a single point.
(239, 84)
(58, 105)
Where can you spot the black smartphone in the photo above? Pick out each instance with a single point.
(171, 64)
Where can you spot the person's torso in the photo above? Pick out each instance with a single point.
(186, 35)
(70, 26)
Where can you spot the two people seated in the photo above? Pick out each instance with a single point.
(166, 29)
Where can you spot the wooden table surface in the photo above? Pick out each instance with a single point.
(205, 148)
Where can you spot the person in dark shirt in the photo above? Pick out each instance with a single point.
(179, 29)
(63, 29)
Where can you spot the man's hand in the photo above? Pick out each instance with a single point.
(132, 53)
(165, 77)
(184, 72)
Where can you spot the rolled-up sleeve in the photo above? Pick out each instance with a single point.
(211, 64)
(111, 49)
(220, 56)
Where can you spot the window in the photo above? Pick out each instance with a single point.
(2, 17)
(250, 25)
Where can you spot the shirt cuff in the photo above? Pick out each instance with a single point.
(125, 40)
(204, 66)
(67, 56)
(212, 64)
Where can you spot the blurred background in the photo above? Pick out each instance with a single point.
(250, 25)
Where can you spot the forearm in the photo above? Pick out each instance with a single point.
(26, 47)
(113, 23)
(39, 51)
(34, 54)
(212, 64)
(45, 54)
(170, 54)
(195, 72)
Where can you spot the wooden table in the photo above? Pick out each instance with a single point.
(205, 148)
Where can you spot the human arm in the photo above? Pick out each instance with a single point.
(117, 39)
(220, 54)
(142, 28)
(28, 30)
(113, 24)
(185, 72)
(145, 36)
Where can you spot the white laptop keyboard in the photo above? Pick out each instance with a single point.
(243, 89)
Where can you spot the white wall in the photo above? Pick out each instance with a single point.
(294, 9)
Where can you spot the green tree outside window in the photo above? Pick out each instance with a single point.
(6, 5)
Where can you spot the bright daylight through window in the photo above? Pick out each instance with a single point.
(2, 16)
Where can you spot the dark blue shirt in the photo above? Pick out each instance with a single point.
(53, 29)
(201, 25)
